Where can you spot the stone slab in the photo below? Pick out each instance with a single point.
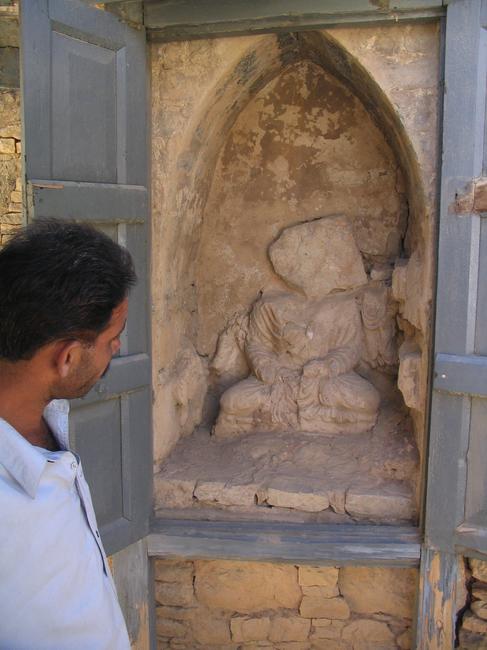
(303, 476)
(226, 494)
(379, 500)
(293, 495)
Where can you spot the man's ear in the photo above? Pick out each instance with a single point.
(67, 355)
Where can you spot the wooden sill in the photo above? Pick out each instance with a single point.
(332, 544)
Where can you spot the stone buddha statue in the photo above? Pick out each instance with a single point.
(303, 346)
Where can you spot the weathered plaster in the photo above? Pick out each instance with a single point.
(187, 81)
(207, 97)
(303, 148)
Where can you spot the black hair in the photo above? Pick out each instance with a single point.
(58, 280)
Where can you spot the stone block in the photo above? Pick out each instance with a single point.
(324, 577)
(7, 228)
(9, 171)
(244, 628)
(408, 288)
(10, 131)
(12, 218)
(337, 500)
(370, 590)
(332, 261)
(338, 624)
(479, 608)
(372, 633)
(16, 197)
(18, 146)
(404, 640)
(330, 644)
(472, 641)
(315, 605)
(172, 492)
(391, 500)
(330, 633)
(479, 569)
(7, 145)
(163, 644)
(180, 644)
(479, 591)
(296, 498)
(174, 594)
(225, 494)
(409, 377)
(246, 587)
(173, 571)
(174, 613)
(381, 272)
(289, 628)
(214, 646)
(210, 628)
(462, 589)
(322, 628)
(472, 623)
(4, 239)
(168, 628)
(321, 622)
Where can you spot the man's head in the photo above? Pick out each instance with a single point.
(63, 303)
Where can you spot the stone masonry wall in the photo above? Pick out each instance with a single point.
(229, 605)
(10, 168)
(10, 127)
(473, 628)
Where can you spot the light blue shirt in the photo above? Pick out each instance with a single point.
(56, 591)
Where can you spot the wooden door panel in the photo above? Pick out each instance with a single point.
(84, 110)
(86, 160)
(456, 509)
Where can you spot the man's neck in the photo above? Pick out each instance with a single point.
(22, 406)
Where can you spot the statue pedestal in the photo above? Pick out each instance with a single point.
(295, 476)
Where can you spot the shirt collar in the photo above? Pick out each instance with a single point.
(56, 415)
(22, 460)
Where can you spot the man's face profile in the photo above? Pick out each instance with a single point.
(89, 363)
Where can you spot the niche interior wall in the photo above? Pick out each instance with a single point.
(258, 143)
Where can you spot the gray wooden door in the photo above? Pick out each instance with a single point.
(456, 510)
(84, 99)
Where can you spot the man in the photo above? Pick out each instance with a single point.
(63, 306)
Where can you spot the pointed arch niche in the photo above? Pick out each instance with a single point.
(285, 134)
